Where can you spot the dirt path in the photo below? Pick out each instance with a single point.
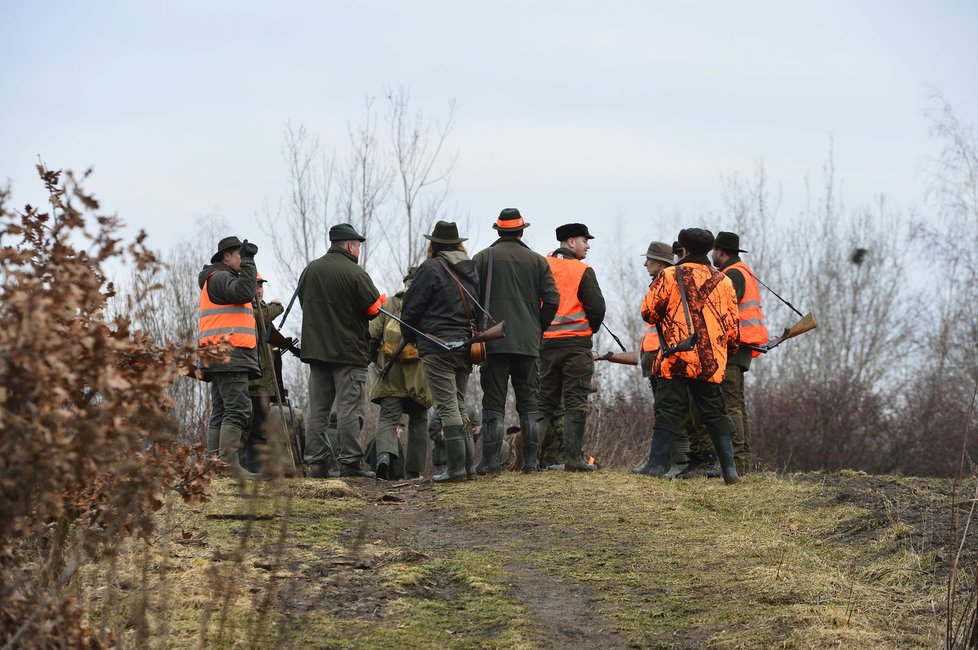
(403, 517)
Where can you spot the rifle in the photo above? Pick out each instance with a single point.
(494, 333)
(807, 323)
(626, 358)
(390, 362)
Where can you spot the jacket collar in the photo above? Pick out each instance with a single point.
(565, 253)
(334, 250)
(693, 258)
(733, 259)
(510, 240)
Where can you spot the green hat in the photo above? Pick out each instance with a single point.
(225, 244)
(510, 220)
(344, 232)
(659, 250)
(445, 232)
(728, 241)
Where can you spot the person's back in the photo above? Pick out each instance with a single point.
(521, 291)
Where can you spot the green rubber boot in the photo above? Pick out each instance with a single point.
(230, 443)
(574, 424)
(455, 447)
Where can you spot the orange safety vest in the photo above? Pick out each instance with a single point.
(753, 328)
(650, 340)
(570, 319)
(217, 324)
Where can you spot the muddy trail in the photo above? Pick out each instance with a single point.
(404, 518)
(561, 560)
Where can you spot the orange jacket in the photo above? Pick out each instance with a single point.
(571, 319)
(217, 324)
(753, 328)
(713, 312)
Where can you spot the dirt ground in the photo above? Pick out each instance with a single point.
(403, 516)
(408, 521)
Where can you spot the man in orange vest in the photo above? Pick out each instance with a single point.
(753, 329)
(226, 319)
(566, 362)
(694, 309)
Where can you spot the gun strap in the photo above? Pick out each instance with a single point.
(462, 292)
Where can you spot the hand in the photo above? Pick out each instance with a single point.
(248, 249)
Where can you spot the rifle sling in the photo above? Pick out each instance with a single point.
(461, 295)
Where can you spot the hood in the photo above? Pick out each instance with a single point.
(461, 264)
(209, 269)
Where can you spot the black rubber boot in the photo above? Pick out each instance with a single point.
(660, 455)
(455, 446)
(492, 440)
(530, 437)
(384, 462)
(725, 452)
(574, 425)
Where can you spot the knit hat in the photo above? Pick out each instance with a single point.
(696, 240)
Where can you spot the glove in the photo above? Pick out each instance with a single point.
(248, 249)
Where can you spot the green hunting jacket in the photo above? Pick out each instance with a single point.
(266, 385)
(406, 378)
(335, 295)
(523, 293)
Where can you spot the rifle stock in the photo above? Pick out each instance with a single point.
(806, 324)
(494, 333)
(625, 358)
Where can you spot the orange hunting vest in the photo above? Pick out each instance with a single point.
(234, 324)
(650, 340)
(570, 319)
(753, 329)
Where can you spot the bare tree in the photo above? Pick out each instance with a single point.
(366, 184)
(298, 231)
(422, 174)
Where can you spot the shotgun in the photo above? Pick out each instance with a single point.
(494, 333)
(806, 324)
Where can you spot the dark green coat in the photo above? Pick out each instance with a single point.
(335, 294)
(227, 287)
(523, 294)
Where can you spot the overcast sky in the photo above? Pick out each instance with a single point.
(570, 111)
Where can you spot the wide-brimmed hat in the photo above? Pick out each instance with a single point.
(225, 244)
(345, 232)
(569, 230)
(445, 232)
(696, 240)
(728, 241)
(510, 220)
(659, 250)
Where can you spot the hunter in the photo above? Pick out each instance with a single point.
(400, 389)
(226, 319)
(694, 309)
(441, 302)
(338, 301)
(566, 361)
(518, 288)
(753, 330)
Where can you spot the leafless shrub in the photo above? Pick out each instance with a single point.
(87, 452)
